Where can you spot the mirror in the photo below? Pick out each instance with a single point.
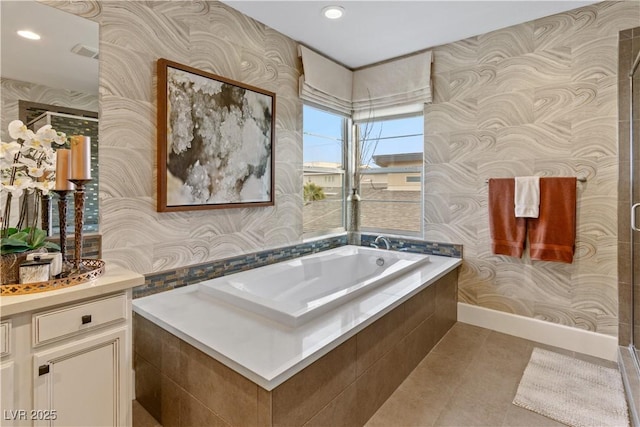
(53, 80)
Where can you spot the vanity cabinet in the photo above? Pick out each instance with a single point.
(79, 384)
(68, 363)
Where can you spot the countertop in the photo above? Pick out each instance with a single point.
(114, 279)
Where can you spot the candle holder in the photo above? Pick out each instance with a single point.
(62, 220)
(79, 198)
(45, 206)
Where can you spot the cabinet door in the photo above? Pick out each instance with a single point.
(81, 384)
(9, 413)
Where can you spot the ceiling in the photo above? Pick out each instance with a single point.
(374, 31)
(370, 31)
(47, 61)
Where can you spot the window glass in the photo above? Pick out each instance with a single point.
(391, 155)
(323, 169)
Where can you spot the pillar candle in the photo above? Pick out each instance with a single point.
(63, 170)
(80, 157)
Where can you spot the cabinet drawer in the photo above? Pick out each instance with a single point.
(5, 338)
(71, 320)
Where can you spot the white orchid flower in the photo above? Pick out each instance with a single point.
(44, 129)
(35, 172)
(49, 156)
(18, 187)
(38, 143)
(46, 134)
(26, 161)
(48, 166)
(9, 149)
(27, 165)
(18, 130)
(61, 138)
(45, 186)
(12, 189)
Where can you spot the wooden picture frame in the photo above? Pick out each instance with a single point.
(215, 141)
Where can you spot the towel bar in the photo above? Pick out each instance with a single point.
(579, 179)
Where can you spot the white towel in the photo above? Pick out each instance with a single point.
(527, 196)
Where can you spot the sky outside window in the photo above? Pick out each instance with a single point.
(396, 136)
(323, 136)
(323, 139)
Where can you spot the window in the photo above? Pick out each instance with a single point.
(391, 155)
(324, 136)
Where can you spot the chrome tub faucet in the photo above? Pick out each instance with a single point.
(383, 239)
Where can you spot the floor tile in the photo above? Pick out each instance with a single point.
(141, 418)
(469, 379)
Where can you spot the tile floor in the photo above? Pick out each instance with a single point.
(469, 379)
(141, 418)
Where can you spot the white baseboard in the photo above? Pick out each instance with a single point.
(573, 339)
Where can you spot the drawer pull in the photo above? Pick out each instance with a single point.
(86, 319)
(43, 370)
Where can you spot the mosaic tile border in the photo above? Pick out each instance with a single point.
(417, 246)
(91, 245)
(167, 280)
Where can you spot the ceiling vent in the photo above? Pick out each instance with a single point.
(84, 50)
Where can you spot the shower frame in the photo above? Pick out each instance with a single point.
(634, 185)
(629, 226)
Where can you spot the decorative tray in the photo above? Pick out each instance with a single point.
(92, 269)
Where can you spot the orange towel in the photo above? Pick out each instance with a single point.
(507, 231)
(552, 236)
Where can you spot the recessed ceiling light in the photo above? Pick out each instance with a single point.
(333, 12)
(29, 35)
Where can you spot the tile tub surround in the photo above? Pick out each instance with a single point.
(180, 385)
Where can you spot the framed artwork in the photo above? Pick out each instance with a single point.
(215, 141)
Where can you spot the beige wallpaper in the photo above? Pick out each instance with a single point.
(538, 98)
(212, 37)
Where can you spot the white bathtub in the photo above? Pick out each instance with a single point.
(269, 352)
(294, 292)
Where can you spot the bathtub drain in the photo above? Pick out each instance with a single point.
(380, 262)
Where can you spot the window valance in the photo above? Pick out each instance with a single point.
(393, 88)
(325, 82)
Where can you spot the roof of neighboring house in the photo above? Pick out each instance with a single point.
(332, 165)
(385, 160)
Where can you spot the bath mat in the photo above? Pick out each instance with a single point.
(572, 391)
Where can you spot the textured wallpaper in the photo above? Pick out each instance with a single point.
(538, 98)
(215, 38)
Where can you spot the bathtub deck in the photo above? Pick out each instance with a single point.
(264, 351)
(182, 386)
